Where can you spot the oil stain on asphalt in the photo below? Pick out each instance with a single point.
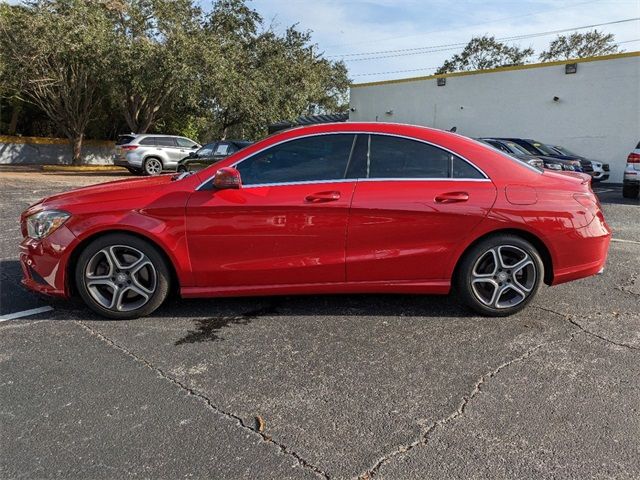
(208, 329)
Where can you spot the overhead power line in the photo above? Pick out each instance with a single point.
(435, 68)
(453, 46)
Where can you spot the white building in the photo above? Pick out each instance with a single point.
(594, 112)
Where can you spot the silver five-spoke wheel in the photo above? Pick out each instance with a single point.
(152, 166)
(120, 278)
(503, 276)
(499, 275)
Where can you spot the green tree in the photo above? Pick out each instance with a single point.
(482, 53)
(55, 54)
(158, 46)
(580, 45)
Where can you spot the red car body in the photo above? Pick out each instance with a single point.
(353, 235)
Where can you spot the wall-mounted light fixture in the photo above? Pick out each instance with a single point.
(441, 82)
(556, 99)
(389, 112)
(570, 68)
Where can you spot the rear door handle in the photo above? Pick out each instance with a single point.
(452, 197)
(322, 197)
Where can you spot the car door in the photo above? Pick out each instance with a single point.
(287, 223)
(413, 208)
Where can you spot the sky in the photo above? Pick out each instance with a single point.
(344, 28)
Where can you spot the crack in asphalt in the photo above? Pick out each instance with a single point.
(423, 440)
(203, 398)
(575, 323)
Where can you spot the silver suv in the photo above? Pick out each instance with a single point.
(150, 154)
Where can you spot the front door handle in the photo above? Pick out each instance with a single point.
(322, 197)
(452, 197)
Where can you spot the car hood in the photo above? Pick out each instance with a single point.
(105, 192)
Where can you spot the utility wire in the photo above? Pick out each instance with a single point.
(435, 68)
(452, 46)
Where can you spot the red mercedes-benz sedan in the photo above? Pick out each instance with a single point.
(333, 208)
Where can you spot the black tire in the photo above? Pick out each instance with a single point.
(149, 166)
(477, 282)
(630, 191)
(152, 279)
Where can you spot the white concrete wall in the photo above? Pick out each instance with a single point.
(598, 114)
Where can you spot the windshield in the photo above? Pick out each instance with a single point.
(515, 148)
(544, 148)
(565, 151)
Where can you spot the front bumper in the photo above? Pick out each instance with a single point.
(44, 262)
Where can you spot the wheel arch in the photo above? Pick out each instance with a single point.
(77, 250)
(536, 241)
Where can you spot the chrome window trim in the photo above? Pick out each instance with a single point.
(359, 132)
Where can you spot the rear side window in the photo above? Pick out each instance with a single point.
(319, 158)
(397, 157)
(148, 141)
(222, 149)
(124, 139)
(165, 141)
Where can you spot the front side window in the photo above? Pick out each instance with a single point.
(318, 158)
(396, 157)
(206, 151)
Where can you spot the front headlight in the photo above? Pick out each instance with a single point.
(554, 166)
(43, 223)
(570, 168)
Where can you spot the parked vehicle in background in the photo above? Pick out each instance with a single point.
(331, 208)
(599, 170)
(572, 164)
(209, 154)
(631, 181)
(150, 154)
(520, 153)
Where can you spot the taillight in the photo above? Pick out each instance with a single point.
(129, 147)
(633, 158)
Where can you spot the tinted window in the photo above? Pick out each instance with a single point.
(183, 142)
(124, 139)
(148, 141)
(322, 157)
(394, 157)
(206, 150)
(166, 141)
(462, 169)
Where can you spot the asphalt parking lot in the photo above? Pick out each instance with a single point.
(323, 386)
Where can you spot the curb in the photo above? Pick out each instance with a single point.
(82, 168)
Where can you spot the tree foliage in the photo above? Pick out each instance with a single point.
(482, 53)
(55, 53)
(580, 45)
(163, 65)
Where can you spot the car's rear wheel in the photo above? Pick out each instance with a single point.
(500, 275)
(152, 166)
(630, 191)
(121, 276)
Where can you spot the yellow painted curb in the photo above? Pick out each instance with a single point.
(53, 141)
(82, 168)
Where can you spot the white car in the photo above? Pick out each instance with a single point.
(631, 182)
(151, 154)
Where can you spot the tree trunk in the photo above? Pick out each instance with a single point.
(15, 114)
(76, 145)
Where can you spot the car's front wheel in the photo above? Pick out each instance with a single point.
(500, 275)
(152, 166)
(122, 276)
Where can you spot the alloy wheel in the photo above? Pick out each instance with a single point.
(153, 166)
(503, 276)
(120, 278)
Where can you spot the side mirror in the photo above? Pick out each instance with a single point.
(191, 155)
(226, 178)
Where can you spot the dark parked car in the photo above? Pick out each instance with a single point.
(520, 153)
(570, 163)
(210, 154)
(599, 171)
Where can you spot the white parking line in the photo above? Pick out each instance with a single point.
(620, 240)
(25, 313)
